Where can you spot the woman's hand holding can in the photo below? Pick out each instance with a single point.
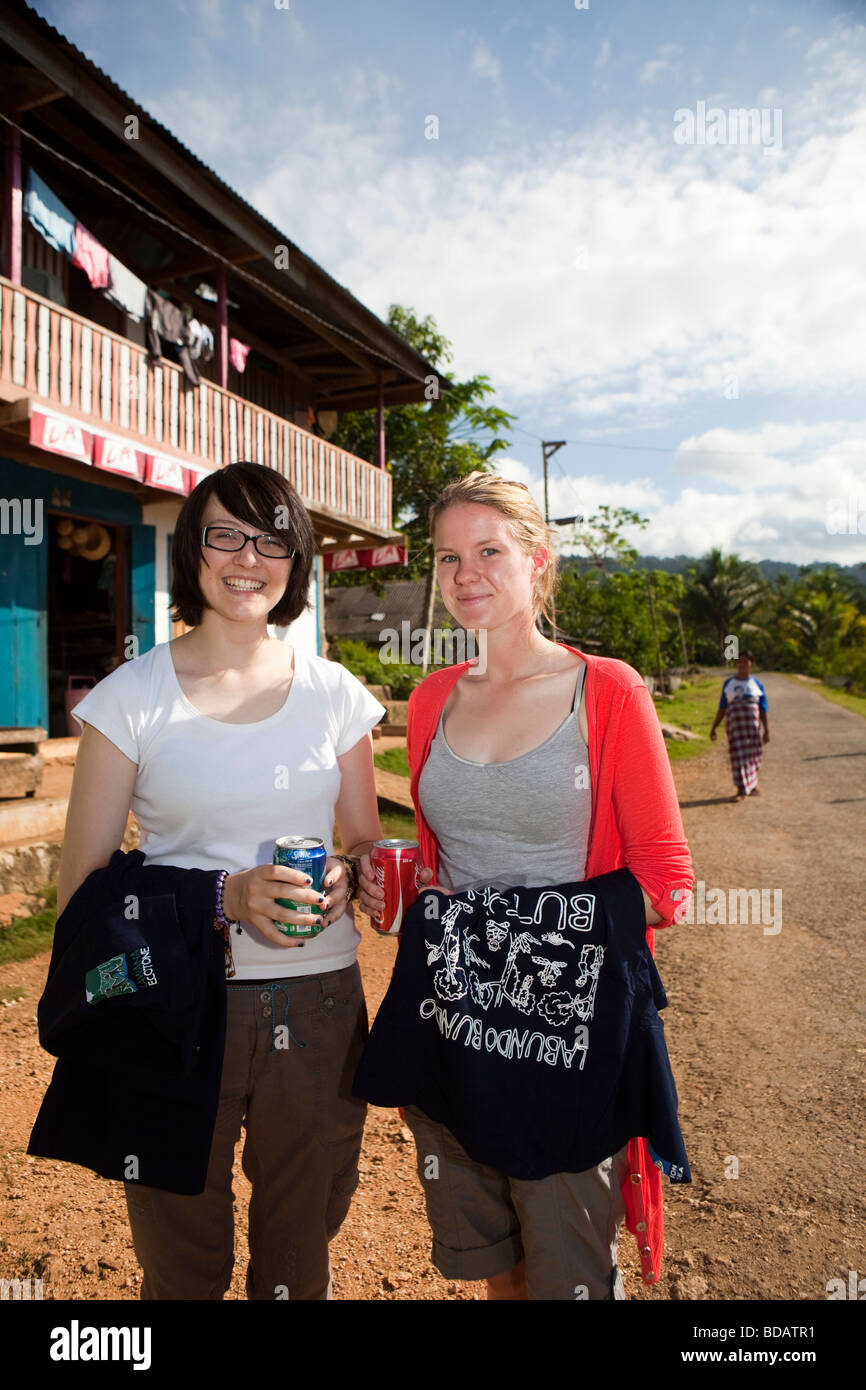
(371, 894)
(251, 896)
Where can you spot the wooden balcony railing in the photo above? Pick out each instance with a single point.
(103, 380)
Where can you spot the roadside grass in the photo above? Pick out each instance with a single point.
(394, 827)
(28, 936)
(393, 760)
(694, 707)
(856, 703)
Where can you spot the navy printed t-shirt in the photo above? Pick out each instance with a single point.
(526, 1021)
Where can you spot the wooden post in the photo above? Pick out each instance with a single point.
(12, 204)
(429, 602)
(380, 422)
(222, 343)
(683, 640)
(655, 633)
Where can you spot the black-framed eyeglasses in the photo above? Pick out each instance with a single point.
(230, 538)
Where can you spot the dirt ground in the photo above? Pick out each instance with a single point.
(766, 1034)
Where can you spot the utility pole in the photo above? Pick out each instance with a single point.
(683, 640)
(655, 633)
(548, 449)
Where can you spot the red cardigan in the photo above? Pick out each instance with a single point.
(634, 821)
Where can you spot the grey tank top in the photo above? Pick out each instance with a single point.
(524, 822)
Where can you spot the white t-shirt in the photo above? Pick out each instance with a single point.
(213, 795)
(750, 690)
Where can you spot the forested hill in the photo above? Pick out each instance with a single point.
(678, 564)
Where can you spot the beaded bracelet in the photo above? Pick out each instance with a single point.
(220, 914)
(223, 924)
(351, 867)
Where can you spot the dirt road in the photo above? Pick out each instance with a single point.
(765, 1030)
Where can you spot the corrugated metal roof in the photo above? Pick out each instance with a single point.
(350, 609)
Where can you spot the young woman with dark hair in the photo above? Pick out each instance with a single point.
(221, 741)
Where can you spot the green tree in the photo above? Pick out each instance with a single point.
(613, 612)
(819, 620)
(602, 541)
(427, 444)
(724, 596)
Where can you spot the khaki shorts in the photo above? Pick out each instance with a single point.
(483, 1222)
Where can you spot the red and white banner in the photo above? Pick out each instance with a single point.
(117, 456)
(59, 434)
(168, 473)
(373, 559)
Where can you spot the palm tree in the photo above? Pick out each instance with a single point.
(819, 615)
(724, 594)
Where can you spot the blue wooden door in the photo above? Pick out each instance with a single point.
(142, 584)
(23, 632)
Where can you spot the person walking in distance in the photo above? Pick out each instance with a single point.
(743, 706)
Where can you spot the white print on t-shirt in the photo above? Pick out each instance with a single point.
(509, 968)
(736, 689)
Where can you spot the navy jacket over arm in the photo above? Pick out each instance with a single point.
(135, 1011)
(526, 1021)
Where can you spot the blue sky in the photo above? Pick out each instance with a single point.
(698, 304)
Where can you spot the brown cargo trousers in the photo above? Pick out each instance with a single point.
(292, 1047)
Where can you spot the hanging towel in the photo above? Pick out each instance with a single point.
(125, 290)
(91, 257)
(238, 354)
(48, 215)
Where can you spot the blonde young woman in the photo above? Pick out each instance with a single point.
(492, 755)
(221, 741)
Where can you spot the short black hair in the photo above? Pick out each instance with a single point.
(253, 493)
(747, 654)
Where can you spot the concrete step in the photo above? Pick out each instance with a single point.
(32, 818)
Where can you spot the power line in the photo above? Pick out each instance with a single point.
(672, 448)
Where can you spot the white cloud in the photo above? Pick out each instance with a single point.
(666, 61)
(253, 16)
(485, 64)
(771, 501)
(603, 54)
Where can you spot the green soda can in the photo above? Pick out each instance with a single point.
(308, 855)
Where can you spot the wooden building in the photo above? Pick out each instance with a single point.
(99, 440)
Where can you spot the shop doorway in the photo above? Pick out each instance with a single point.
(87, 610)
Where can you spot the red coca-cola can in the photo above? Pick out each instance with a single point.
(396, 867)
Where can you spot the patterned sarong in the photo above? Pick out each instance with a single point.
(743, 727)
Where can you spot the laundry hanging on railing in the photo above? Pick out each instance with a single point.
(166, 323)
(51, 218)
(91, 257)
(200, 341)
(125, 290)
(65, 232)
(238, 354)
